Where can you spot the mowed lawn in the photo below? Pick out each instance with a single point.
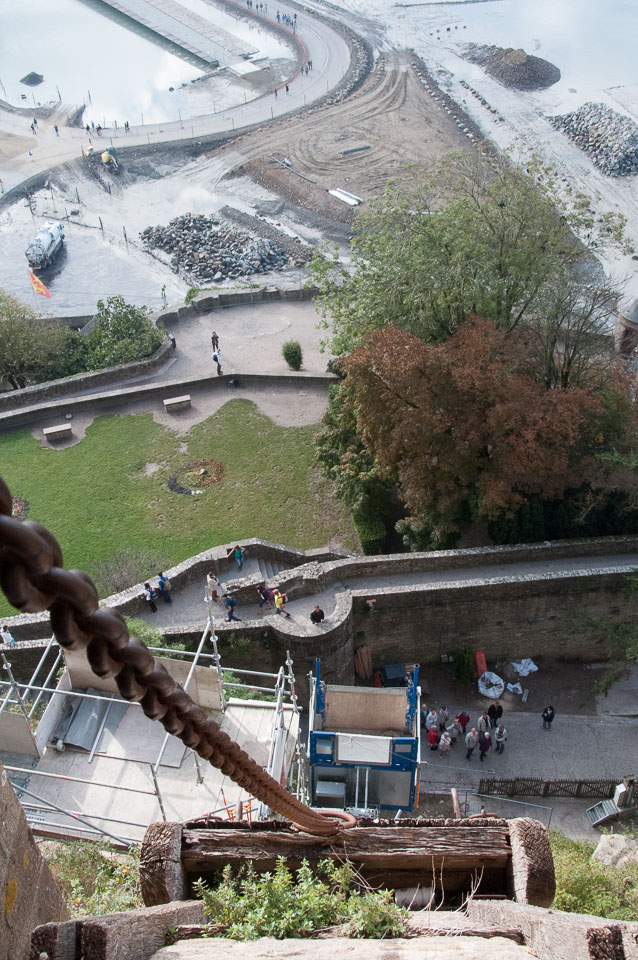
(97, 497)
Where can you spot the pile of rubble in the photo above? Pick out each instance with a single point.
(205, 250)
(513, 68)
(610, 139)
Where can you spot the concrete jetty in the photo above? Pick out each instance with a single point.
(199, 37)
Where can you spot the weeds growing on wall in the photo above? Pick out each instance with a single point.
(286, 904)
(585, 886)
(94, 878)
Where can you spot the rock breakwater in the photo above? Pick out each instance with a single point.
(609, 138)
(205, 250)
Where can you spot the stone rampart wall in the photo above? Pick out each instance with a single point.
(516, 615)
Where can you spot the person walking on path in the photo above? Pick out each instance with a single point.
(280, 603)
(483, 722)
(230, 603)
(500, 736)
(433, 738)
(485, 744)
(164, 585)
(266, 597)
(495, 713)
(444, 716)
(471, 739)
(548, 717)
(464, 719)
(213, 585)
(214, 339)
(217, 357)
(317, 616)
(150, 596)
(33, 130)
(455, 729)
(445, 743)
(287, 89)
(164, 297)
(7, 637)
(432, 719)
(237, 553)
(55, 127)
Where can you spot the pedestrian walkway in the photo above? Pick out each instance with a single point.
(189, 608)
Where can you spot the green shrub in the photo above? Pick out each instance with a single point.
(585, 886)
(191, 293)
(240, 693)
(151, 636)
(122, 333)
(291, 351)
(94, 878)
(284, 904)
(370, 530)
(464, 665)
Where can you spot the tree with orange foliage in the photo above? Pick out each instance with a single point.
(465, 429)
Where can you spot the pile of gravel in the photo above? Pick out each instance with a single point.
(513, 68)
(205, 250)
(610, 139)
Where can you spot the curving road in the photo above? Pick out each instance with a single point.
(322, 44)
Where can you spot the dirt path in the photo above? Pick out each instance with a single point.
(392, 113)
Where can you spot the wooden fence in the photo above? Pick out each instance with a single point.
(535, 787)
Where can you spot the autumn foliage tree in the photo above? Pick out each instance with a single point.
(465, 429)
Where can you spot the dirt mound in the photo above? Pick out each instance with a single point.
(513, 68)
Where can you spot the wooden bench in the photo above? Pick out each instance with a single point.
(59, 432)
(177, 403)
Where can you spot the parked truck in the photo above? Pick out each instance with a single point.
(46, 246)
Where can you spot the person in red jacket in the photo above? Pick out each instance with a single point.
(433, 738)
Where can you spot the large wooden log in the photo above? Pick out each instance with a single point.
(375, 848)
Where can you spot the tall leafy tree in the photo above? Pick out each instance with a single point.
(467, 429)
(34, 348)
(478, 236)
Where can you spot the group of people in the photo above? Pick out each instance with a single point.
(287, 20)
(162, 589)
(442, 735)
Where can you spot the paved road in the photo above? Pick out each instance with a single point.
(326, 48)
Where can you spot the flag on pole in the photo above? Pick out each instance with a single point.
(38, 286)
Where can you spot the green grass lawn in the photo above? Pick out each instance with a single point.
(97, 499)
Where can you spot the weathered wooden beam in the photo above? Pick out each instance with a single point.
(377, 848)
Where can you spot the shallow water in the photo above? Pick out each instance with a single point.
(87, 57)
(591, 42)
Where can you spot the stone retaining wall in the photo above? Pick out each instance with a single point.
(519, 614)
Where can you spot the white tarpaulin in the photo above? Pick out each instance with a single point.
(525, 667)
(491, 685)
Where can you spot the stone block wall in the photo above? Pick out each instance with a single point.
(29, 894)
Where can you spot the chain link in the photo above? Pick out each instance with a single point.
(33, 579)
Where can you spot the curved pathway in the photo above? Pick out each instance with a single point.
(189, 608)
(326, 48)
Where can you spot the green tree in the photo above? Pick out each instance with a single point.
(122, 333)
(35, 348)
(478, 236)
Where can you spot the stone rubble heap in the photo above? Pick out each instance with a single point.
(205, 250)
(610, 139)
(513, 68)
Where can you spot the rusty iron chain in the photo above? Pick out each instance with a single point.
(33, 580)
